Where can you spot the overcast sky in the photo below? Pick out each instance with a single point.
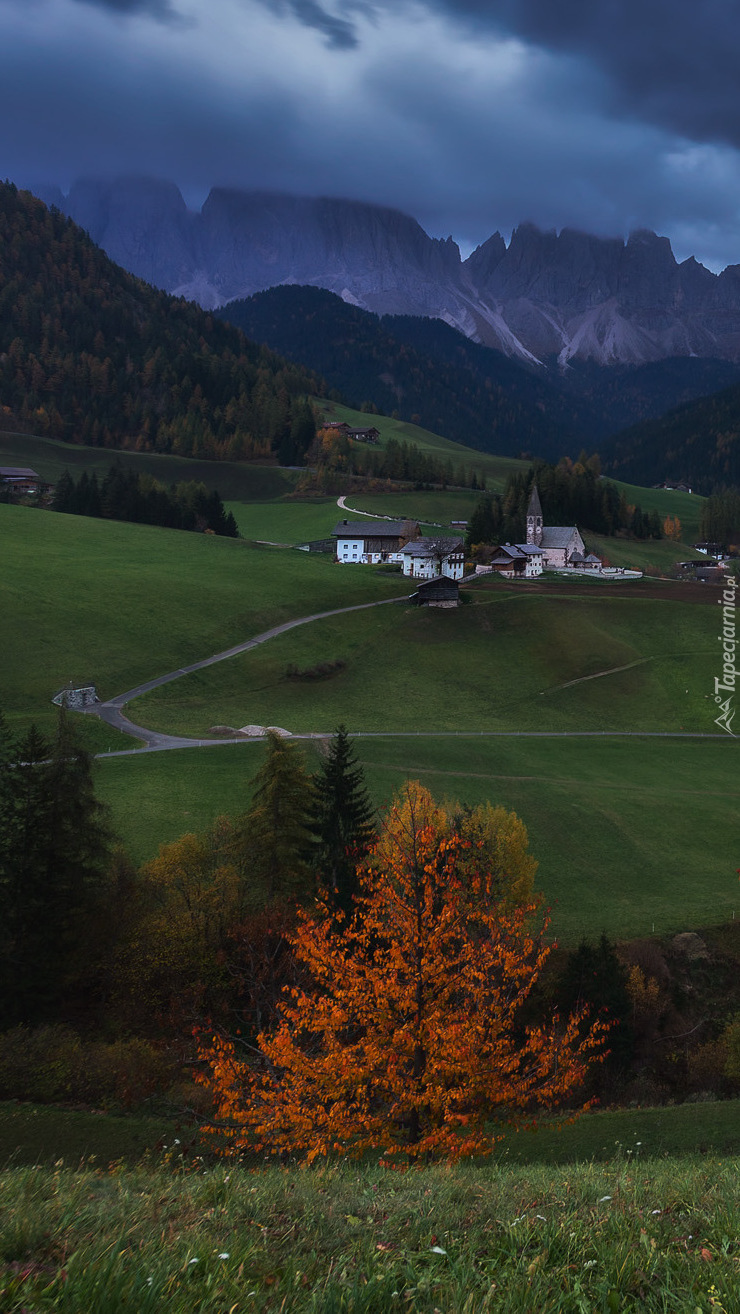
(471, 115)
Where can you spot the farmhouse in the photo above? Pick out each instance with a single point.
(370, 435)
(20, 478)
(371, 541)
(427, 558)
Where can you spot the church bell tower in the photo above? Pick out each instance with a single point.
(534, 519)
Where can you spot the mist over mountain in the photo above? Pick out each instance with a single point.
(546, 298)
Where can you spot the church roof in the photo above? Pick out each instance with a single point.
(557, 536)
(534, 508)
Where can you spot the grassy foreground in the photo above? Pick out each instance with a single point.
(653, 1235)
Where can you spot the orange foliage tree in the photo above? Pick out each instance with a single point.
(410, 1037)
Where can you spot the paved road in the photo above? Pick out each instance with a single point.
(111, 712)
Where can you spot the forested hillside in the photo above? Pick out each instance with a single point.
(698, 443)
(90, 354)
(419, 369)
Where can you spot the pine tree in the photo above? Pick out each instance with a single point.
(342, 821)
(53, 858)
(274, 835)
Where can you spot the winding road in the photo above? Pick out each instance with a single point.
(155, 742)
(110, 711)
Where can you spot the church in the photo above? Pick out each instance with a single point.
(561, 545)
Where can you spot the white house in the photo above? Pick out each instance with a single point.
(369, 542)
(426, 558)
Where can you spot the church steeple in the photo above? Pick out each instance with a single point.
(534, 519)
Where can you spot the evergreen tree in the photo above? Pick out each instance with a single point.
(342, 820)
(64, 492)
(274, 835)
(594, 976)
(53, 858)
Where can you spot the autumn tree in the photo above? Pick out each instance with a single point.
(184, 903)
(672, 528)
(342, 820)
(410, 1037)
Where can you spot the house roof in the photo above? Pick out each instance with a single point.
(432, 547)
(374, 528)
(592, 557)
(17, 472)
(530, 549)
(557, 536)
(440, 584)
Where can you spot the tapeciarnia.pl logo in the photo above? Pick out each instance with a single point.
(727, 638)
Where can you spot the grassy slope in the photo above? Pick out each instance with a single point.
(495, 468)
(628, 833)
(50, 459)
(286, 521)
(497, 664)
(117, 604)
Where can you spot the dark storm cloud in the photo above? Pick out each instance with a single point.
(339, 32)
(155, 8)
(672, 62)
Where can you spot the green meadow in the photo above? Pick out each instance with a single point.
(632, 835)
(495, 468)
(287, 522)
(629, 832)
(233, 479)
(116, 604)
(512, 659)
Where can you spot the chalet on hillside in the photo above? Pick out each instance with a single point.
(21, 479)
(370, 435)
(369, 542)
(426, 558)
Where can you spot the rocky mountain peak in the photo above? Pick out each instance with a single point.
(566, 294)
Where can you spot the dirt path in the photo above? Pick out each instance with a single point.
(372, 515)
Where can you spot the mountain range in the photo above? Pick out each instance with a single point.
(543, 298)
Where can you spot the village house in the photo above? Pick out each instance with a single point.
(21, 479)
(370, 542)
(518, 560)
(371, 435)
(427, 558)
